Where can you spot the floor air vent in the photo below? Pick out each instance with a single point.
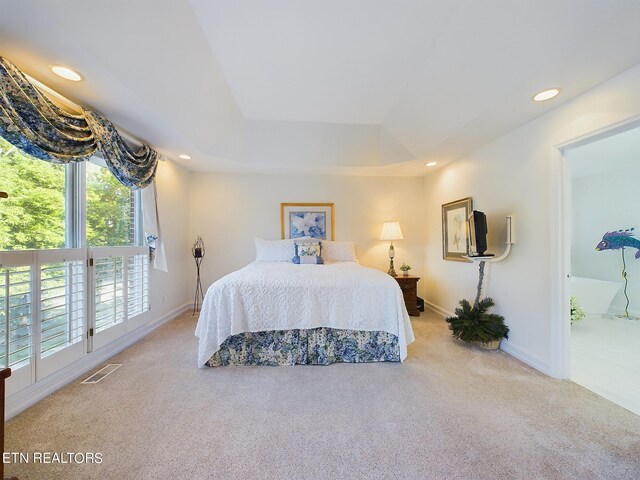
(103, 372)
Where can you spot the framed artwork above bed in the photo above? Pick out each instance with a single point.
(314, 220)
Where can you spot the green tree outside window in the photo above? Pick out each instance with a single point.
(33, 217)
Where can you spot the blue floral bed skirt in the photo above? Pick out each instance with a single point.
(315, 346)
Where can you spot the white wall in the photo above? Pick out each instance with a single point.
(601, 203)
(169, 290)
(515, 174)
(230, 210)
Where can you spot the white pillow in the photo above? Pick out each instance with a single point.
(339, 251)
(275, 250)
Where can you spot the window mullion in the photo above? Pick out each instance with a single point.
(74, 205)
(80, 207)
(139, 229)
(69, 205)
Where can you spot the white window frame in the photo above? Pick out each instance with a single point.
(76, 248)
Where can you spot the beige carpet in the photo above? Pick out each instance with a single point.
(449, 412)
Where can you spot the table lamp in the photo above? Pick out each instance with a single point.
(391, 231)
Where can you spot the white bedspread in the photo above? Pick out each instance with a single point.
(283, 296)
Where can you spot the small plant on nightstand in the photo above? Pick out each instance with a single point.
(405, 269)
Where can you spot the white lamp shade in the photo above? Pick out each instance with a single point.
(391, 231)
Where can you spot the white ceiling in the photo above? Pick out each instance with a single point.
(373, 87)
(333, 61)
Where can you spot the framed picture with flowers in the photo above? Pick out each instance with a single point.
(455, 237)
(314, 220)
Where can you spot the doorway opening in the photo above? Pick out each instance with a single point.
(602, 226)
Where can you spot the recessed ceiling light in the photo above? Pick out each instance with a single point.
(184, 156)
(546, 94)
(431, 164)
(66, 73)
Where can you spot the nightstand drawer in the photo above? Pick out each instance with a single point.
(409, 286)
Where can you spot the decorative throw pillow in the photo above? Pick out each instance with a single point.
(274, 250)
(307, 251)
(339, 251)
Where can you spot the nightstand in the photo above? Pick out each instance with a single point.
(409, 286)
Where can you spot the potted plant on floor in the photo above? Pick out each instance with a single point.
(473, 324)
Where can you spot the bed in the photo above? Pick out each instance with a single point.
(281, 313)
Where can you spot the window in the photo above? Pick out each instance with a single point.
(62, 308)
(15, 316)
(109, 293)
(42, 213)
(33, 217)
(111, 208)
(74, 274)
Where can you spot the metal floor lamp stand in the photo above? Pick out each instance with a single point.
(198, 252)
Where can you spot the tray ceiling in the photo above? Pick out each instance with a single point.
(340, 86)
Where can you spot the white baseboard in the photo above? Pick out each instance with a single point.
(35, 392)
(437, 309)
(514, 350)
(526, 357)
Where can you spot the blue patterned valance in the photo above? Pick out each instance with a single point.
(131, 168)
(30, 121)
(33, 123)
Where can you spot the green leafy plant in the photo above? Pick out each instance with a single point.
(577, 312)
(405, 268)
(475, 324)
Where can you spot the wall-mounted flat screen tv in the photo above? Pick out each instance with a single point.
(477, 222)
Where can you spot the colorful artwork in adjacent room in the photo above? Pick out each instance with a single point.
(618, 240)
